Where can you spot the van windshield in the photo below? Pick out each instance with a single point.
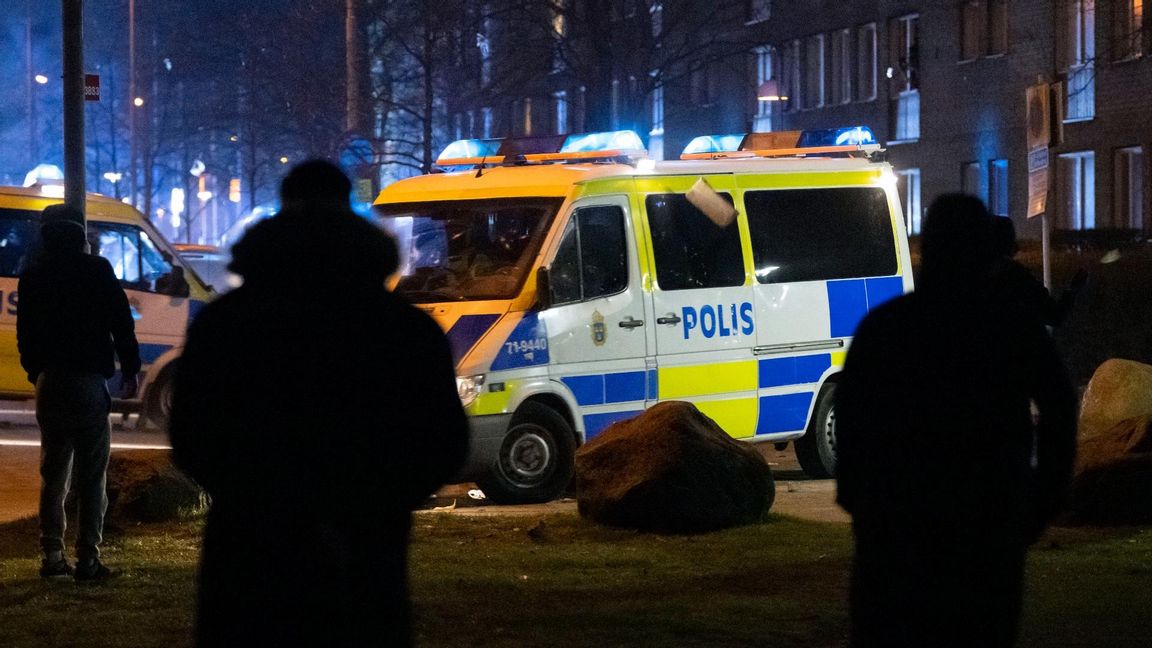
(465, 250)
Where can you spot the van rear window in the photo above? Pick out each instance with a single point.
(818, 234)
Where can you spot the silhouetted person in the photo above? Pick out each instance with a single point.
(946, 477)
(1013, 282)
(317, 409)
(73, 318)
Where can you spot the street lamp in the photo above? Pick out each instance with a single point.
(114, 177)
(41, 79)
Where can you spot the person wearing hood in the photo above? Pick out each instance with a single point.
(74, 320)
(317, 409)
(947, 478)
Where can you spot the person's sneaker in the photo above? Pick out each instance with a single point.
(55, 570)
(92, 571)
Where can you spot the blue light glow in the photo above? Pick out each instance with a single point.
(849, 136)
(470, 148)
(714, 144)
(625, 140)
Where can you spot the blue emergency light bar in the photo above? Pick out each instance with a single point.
(543, 149)
(825, 140)
(470, 148)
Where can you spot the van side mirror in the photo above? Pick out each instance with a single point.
(174, 284)
(543, 289)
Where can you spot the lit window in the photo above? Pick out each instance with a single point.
(1079, 56)
(908, 184)
(1077, 190)
(905, 104)
(998, 187)
(1131, 185)
(762, 121)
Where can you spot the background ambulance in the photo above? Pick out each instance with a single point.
(580, 283)
(163, 294)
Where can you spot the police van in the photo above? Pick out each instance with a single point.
(579, 282)
(163, 294)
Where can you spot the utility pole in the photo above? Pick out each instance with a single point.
(29, 73)
(74, 103)
(132, 101)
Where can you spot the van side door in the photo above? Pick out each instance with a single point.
(702, 300)
(596, 326)
(823, 257)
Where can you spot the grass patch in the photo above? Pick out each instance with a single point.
(560, 581)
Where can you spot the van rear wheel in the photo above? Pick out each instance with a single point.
(535, 463)
(816, 450)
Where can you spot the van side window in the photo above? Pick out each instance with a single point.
(19, 238)
(138, 264)
(592, 259)
(818, 234)
(691, 251)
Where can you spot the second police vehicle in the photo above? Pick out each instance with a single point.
(579, 283)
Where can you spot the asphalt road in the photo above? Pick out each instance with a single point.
(796, 494)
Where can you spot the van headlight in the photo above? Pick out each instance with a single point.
(468, 388)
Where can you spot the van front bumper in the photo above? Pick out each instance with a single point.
(484, 441)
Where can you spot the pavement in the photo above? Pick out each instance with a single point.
(796, 494)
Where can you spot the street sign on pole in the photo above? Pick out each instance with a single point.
(1038, 114)
(91, 87)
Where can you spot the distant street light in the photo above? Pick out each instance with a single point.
(114, 177)
(284, 159)
(41, 79)
(138, 102)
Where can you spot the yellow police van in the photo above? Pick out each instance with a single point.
(579, 282)
(164, 295)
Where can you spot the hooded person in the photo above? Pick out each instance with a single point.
(74, 321)
(946, 477)
(317, 409)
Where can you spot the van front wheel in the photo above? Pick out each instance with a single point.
(816, 450)
(536, 458)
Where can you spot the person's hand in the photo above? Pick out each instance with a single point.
(128, 388)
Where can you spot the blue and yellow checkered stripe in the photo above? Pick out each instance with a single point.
(741, 416)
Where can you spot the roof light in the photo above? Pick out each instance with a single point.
(849, 140)
(714, 144)
(544, 149)
(470, 148)
(624, 140)
(850, 136)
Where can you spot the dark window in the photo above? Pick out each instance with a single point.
(19, 236)
(592, 260)
(691, 250)
(816, 234)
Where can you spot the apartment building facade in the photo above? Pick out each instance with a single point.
(941, 82)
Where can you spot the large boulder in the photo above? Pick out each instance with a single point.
(144, 486)
(671, 470)
(1119, 390)
(1113, 481)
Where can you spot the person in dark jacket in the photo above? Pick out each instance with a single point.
(317, 409)
(74, 319)
(946, 477)
(1012, 282)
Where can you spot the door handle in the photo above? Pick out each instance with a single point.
(671, 318)
(630, 323)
